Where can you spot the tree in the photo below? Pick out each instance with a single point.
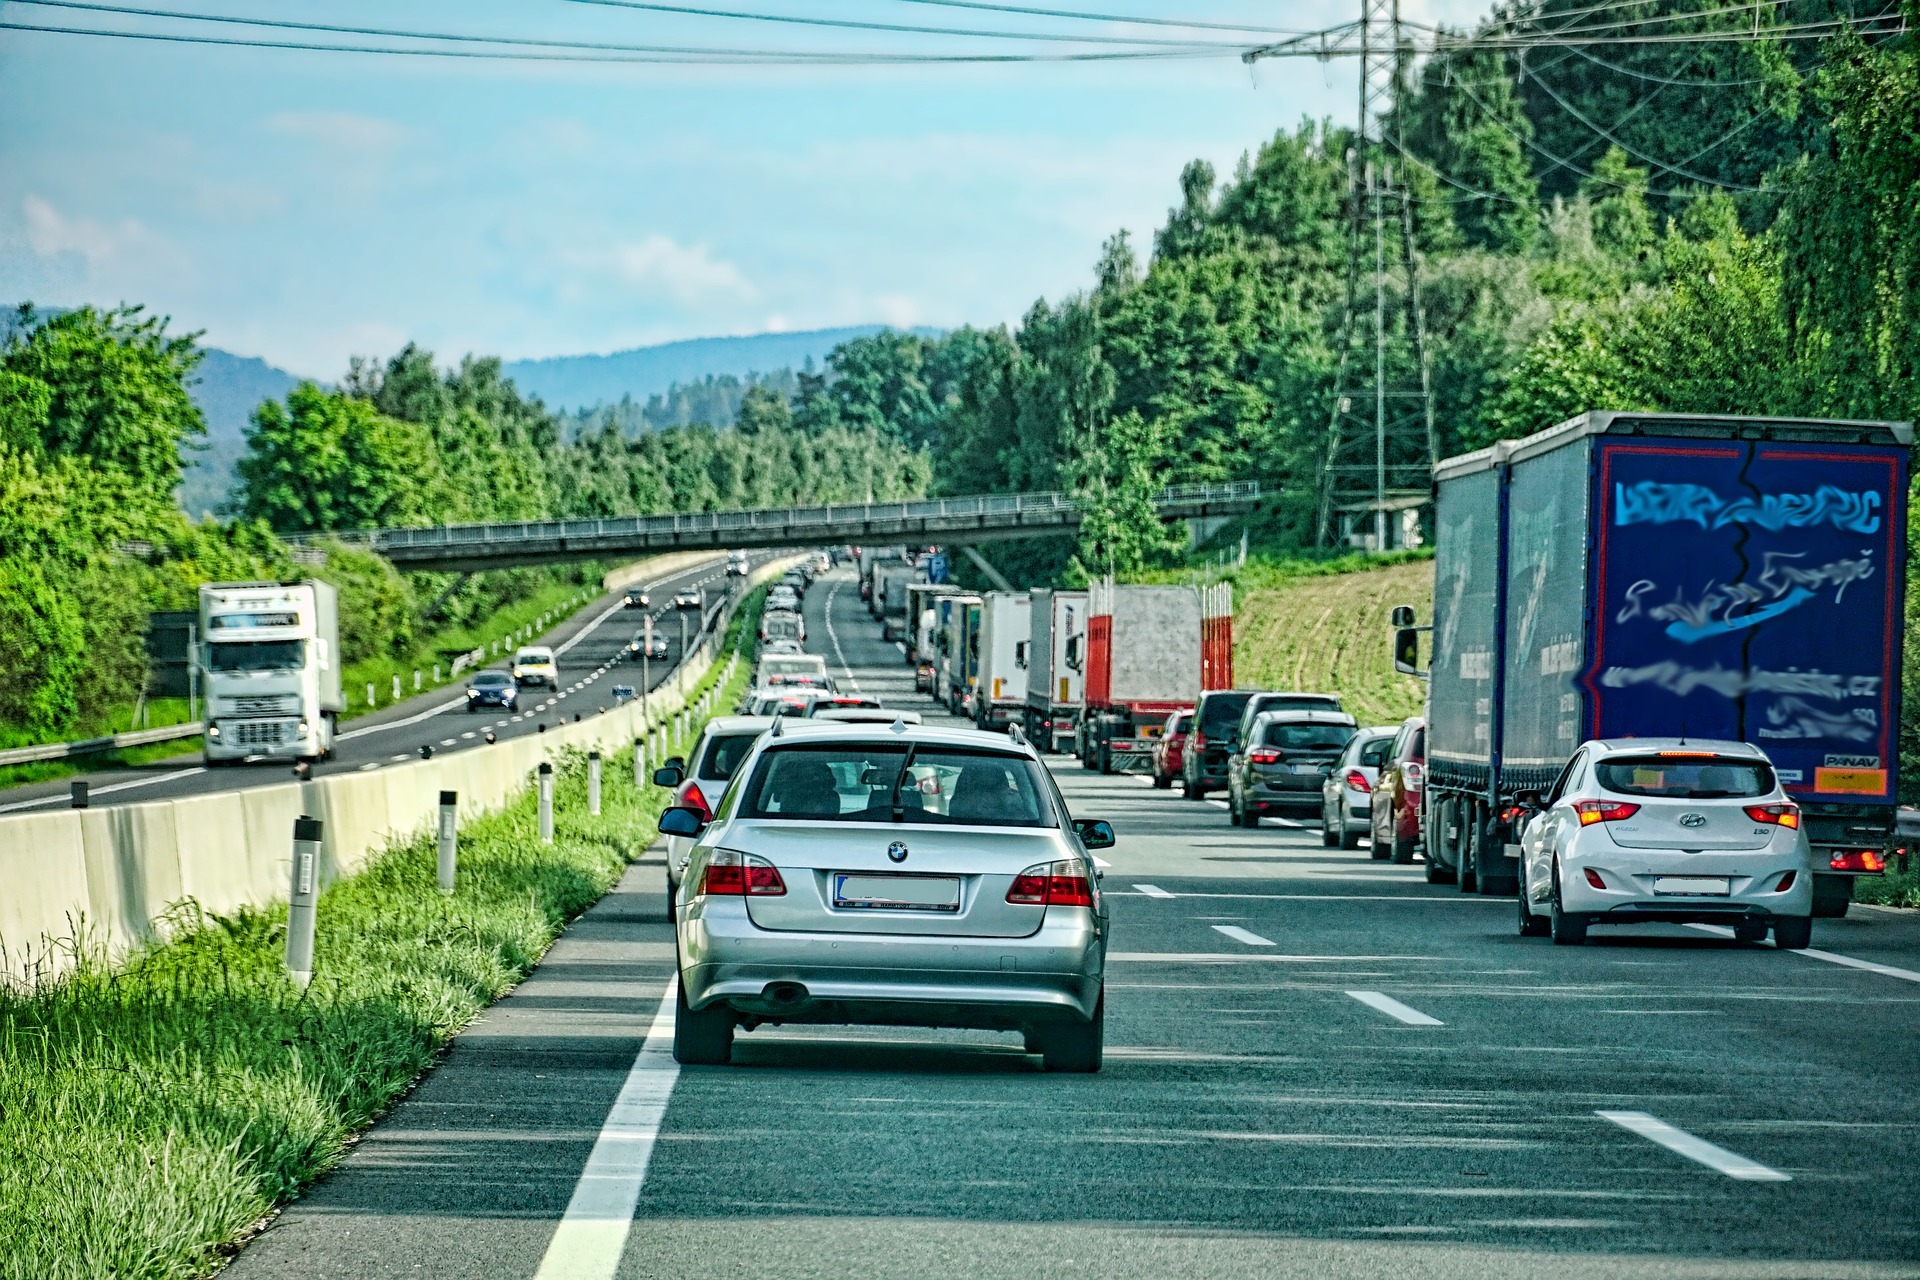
(1463, 120)
(328, 460)
(116, 389)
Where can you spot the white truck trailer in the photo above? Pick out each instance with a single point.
(270, 670)
(1056, 654)
(890, 583)
(1000, 696)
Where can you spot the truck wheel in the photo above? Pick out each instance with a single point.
(1466, 871)
(1831, 894)
(1531, 925)
(1437, 874)
(1793, 933)
(1569, 928)
(1106, 758)
(703, 1039)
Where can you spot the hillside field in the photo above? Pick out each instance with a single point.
(1329, 634)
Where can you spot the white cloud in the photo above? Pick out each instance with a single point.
(342, 130)
(897, 310)
(688, 274)
(50, 233)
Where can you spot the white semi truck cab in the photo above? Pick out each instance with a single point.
(270, 670)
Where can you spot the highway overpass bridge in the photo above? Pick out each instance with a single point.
(466, 548)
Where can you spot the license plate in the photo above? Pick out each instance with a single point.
(1697, 886)
(852, 892)
(1311, 768)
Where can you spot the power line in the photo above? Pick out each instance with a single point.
(1617, 69)
(1187, 23)
(852, 24)
(667, 56)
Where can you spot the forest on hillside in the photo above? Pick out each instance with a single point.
(1730, 224)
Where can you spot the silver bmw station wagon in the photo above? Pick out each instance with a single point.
(891, 875)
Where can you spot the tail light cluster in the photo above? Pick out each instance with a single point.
(1777, 815)
(1857, 860)
(691, 797)
(1053, 884)
(729, 874)
(1358, 781)
(1414, 773)
(1592, 811)
(1266, 755)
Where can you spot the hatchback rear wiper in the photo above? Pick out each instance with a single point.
(899, 810)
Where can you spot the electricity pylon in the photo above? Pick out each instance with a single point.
(1380, 445)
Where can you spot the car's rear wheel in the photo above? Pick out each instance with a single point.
(1349, 838)
(1793, 933)
(1329, 828)
(1750, 931)
(1074, 1046)
(1249, 817)
(702, 1039)
(1189, 791)
(1162, 781)
(1569, 928)
(1402, 851)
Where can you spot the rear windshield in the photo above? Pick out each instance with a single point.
(1309, 737)
(1182, 723)
(724, 754)
(852, 782)
(1296, 702)
(1221, 713)
(1700, 778)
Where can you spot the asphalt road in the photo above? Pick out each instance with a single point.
(589, 647)
(1316, 1065)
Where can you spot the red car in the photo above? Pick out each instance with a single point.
(1170, 749)
(1396, 796)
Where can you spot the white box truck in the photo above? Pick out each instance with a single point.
(270, 670)
(890, 584)
(1056, 654)
(1000, 697)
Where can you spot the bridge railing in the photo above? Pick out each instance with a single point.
(1042, 509)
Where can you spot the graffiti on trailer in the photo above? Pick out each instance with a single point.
(1734, 606)
(1652, 502)
(1680, 680)
(1794, 718)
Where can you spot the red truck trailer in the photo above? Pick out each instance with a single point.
(1151, 650)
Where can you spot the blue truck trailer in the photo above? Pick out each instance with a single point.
(1633, 575)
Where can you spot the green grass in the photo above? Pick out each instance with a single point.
(151, 1112)
(1895, 889)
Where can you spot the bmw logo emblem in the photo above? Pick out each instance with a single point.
(897, 851)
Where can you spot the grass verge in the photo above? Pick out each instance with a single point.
(1895, 889)
(151, 1112)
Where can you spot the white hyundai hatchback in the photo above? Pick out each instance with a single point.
(1662, 829)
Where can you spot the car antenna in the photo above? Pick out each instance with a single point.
(899, 724)
(775, 731)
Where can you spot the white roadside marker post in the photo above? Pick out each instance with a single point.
(449, 849)
(546, 803)
(302, 896)
(639, 762)
(593, 783)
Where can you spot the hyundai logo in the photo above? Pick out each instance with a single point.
(897, 851)
(1693, 819)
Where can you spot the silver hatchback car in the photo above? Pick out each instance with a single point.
(1660, 829)
(892, 875)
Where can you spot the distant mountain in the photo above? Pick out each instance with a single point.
(581, 382)
(227, 390)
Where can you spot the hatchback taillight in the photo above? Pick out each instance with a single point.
(1413, 772)
(1592, 811)
(740, 875)
(1778, 815)
(1264, 757)
(1052, 884)
(1358, 780)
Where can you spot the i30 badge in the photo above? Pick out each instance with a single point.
(897, 851)
(1693, 819)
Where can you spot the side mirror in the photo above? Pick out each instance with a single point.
(1528, 800)
(1402, 615)
(1095, 833)
(1406, 650)
(681, 821)
(669, 775)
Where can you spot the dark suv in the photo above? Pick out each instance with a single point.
(1262, 702)
(1284, 762)
(1204, 767)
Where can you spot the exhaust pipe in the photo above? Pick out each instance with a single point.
(785, 993)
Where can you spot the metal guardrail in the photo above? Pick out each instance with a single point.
(112, 742)
(995, 515)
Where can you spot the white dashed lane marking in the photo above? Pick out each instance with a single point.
(1153, 891)
(1683, 1143)
(1394, 1009)
(1247, 936)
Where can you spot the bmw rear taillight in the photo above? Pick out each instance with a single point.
(740, 875)
(1358, 780)
(1778, 815)
(1856, 860)
(1264, 757)
(691, 798)
(1052, 884)
(1592, 811)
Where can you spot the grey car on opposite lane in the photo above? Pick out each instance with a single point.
(898, 876)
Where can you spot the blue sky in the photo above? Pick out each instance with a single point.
(305, 207)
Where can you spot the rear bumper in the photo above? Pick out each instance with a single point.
(926, 980)
(1753, 878)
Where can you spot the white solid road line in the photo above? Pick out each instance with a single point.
(853, 685)
(67, 798)
(1394, 1009)
(1153, 891)
(1885, 970)
(1684, 1143)
(1244, 957)
(593, 1232)
(428, 714)
(1238, 934)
